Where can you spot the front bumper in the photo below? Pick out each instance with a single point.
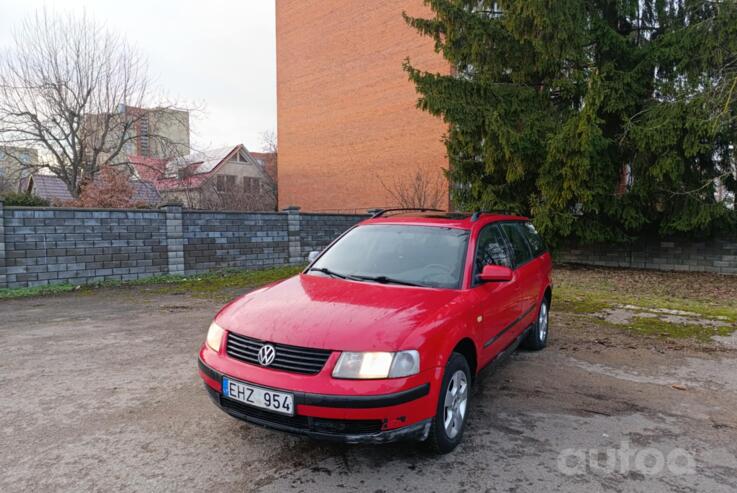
(368, 425)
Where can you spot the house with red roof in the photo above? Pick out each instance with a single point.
(53, 189)
(228, 178)
(268, 161)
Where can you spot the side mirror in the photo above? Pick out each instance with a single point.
(312, 256)
(495, 273)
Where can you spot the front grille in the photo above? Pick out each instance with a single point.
(305, 423)
(288, 358)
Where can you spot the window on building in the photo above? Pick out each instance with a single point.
(143, 137)
(225, 183)
(626, 179)
(251, 184)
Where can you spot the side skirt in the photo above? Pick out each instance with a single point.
(503, 355)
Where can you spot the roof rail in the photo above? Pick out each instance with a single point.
(477, 213)
(380, 212)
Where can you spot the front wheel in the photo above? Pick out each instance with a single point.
(537, 338)
(450, 418)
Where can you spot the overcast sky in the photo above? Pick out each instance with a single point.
(219, 54)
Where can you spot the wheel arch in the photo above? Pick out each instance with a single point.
(467, 349)
(548, 295)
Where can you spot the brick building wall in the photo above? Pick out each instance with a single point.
(346, 110)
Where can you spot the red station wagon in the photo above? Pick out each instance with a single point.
(381, 336)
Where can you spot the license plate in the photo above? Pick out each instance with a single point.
(279, 402)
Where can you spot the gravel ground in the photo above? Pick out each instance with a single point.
(100, 393)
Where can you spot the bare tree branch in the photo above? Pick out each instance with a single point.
(416, 190)
(269, 144)
(73, 90)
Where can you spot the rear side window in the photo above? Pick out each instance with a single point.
(537, 245)
(520, 248)
(491, 249)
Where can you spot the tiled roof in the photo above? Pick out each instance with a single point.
(262, 157)
(188, 182)
(53, 189)
(148, 168)
(199, 166)
(145, 192)
(200, 161)
(267, 160)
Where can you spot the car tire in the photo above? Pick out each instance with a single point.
(446, 430)
(537, 338)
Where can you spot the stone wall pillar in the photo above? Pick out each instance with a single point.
(294, 227)
(174, 238)
(3, 277)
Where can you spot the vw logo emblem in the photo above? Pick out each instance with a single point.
(266, 354)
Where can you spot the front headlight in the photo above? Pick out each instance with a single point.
(214, 337)
(377, 365)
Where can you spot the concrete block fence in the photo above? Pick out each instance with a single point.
(42, 246)
(717, 255)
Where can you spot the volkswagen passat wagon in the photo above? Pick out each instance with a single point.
(382, 335)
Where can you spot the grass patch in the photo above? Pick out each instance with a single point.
(662, 328)
(593, 300)
(207, 284)
(221, 282)
(587, 292)
(9, 294)
(567, 302)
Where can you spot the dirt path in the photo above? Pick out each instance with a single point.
(100, 392)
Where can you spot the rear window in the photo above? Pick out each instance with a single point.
(534, 239)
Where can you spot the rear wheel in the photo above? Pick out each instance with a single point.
(450, 418)
(537, 338)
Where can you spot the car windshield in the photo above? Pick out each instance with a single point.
(398, 254)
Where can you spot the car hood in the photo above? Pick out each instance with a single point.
(327, 313)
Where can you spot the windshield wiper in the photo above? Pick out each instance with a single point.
(329, 272)
(355, 277)
(385, 280)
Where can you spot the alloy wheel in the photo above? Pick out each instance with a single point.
(542, 322)
(456, 400)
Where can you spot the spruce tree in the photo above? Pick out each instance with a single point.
(603, 119)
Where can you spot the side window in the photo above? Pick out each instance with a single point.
(533, 238)
(520, 248)
(491, 249)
